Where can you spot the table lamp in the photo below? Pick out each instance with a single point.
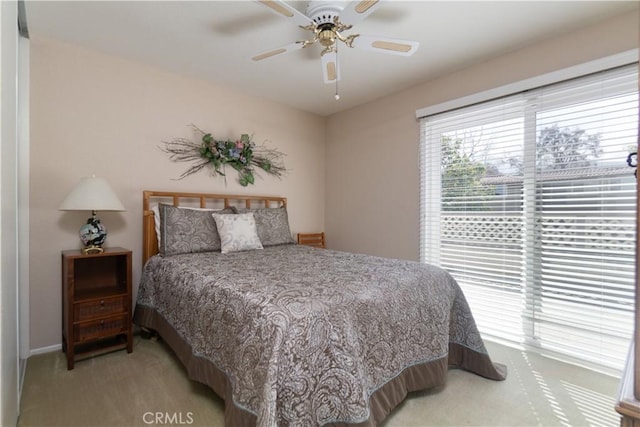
(92, 194)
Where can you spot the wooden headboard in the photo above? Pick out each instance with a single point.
(200, 200)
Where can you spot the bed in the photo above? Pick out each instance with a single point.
(290, 335)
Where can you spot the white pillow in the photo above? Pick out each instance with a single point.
(237, 232)
(156, 217)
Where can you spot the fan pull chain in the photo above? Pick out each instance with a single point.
(337, 96)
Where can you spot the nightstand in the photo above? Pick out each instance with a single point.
(96, 298)
(311, 239)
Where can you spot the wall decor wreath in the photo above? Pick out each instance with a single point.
(241, 154)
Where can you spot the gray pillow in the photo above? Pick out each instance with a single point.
(272, 225)
(188, 231)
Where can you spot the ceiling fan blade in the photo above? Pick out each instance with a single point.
(283, 9)
(278, 51)
(330, 70)
(356, 11)
(386, 45)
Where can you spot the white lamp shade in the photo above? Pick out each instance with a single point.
(92, 194)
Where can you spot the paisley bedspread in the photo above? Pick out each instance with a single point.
(306, 336)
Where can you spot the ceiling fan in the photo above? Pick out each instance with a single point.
(327, 20)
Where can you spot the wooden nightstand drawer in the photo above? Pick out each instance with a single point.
(101, 328)
(99, 308)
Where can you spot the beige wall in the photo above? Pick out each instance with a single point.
(98, 114)
(372, 199)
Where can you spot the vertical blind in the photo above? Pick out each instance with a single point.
(528, 202)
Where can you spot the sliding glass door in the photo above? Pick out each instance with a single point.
(527, 200)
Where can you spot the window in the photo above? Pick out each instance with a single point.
(528, 201)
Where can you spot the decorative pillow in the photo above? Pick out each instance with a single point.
(272, 225)
(237, 232)
(187, 230)
(156, 217)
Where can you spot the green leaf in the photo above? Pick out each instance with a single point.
(207, 138)
(249, 177)
(243, 181)
(245, 138)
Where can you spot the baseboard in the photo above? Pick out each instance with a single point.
(43, 350)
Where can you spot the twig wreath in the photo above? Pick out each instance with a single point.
(241, 154)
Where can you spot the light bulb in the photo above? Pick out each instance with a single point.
(337, 97)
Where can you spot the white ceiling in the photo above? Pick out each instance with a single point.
(214, 41)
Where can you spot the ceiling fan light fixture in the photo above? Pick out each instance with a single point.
(327, 37)
(329, 20)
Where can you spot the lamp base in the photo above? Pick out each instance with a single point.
(93, 234)
(92, 250)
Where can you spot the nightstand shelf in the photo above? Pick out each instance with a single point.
(96, 295)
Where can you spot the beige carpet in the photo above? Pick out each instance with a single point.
(120, 389)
